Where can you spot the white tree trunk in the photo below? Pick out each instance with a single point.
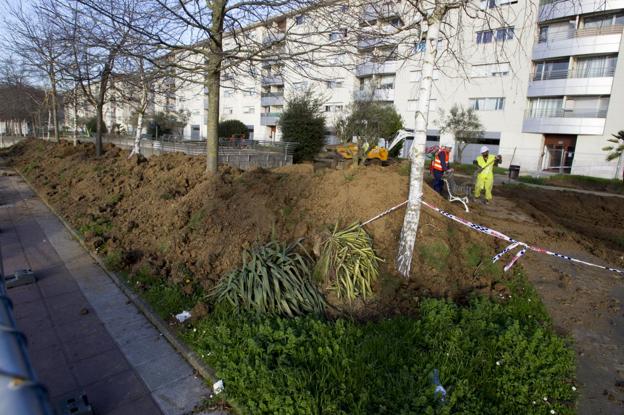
(417, 154)
(49, 122)
(75, 105)
(136, 149)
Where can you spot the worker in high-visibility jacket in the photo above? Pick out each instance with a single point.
(439, 165)
(485, 176)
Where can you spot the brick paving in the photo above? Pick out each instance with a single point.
(84, 334)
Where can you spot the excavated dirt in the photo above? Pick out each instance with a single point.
(165, 213)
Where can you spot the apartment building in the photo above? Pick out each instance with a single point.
(547, 80)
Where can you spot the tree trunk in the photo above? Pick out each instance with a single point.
(98, 129)
(212, 125)
(213, 81)
(75, 109)
(417, 154)
(136, 149)
(57, 134)
(49, 122)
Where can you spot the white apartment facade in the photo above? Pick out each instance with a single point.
(547, 81)
(548, 85)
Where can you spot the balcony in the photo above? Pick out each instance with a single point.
(555, 9)
(272, 80)
(374, 12)
(592, 81)
(375, 68)
(273, 38)
(579, 42)
(374, 42)
(560, 121)
(385, 94)
(271, 98)
(270, 118)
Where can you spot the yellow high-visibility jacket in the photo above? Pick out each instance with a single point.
(487, 167)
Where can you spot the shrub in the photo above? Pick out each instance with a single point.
(231, 128)
(273, 279)
(303, 123)
(348, 262)
(91, 126)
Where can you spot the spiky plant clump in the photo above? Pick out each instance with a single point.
(274, 279)
(348, 262)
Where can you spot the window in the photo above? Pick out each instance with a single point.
(606, 20)
(228, 92)
(341, 34)
(299, 86)
(556, 69)
(335, 83)
(228, 110)
(490, 4)
(502, 34)
(595, 66)
(420, 46)
(487, 104)
(490, 70)
(250, 93)
(299, 19)
(249, 110)
(505, 33)
(485, 36)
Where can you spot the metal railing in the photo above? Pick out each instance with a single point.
(272, 94)
(561, 113)
(573, 73)
(20, 393)
(585, 32)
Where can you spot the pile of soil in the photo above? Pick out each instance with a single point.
(167, 214)
(597, 222)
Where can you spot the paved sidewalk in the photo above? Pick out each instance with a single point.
(84, 334)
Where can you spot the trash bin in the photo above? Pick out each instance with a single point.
(514, 171)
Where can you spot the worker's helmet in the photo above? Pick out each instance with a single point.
(484, 149)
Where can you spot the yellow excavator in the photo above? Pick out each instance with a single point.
(378, 152)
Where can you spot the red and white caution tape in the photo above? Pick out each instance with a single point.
(499, 235)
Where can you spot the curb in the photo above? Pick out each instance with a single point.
(190, 356)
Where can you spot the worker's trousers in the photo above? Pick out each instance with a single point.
(484, 182)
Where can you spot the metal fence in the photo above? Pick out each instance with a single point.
(20, 393)
(239, 153)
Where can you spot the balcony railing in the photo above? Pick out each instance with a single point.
(586, 32)
(561, 113)
(270, 118)
(574, 73)
(271, 98)
(273, 38)
(273, 80)
(382, 11)
(371, 67)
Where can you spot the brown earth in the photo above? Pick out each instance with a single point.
(165, 213)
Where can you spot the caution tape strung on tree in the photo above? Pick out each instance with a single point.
(499, 235)
(515, 243)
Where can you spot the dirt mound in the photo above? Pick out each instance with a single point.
(167, 214)
(599, 221)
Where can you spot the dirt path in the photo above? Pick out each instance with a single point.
(585, 303)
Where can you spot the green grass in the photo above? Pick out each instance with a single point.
(493, 358)
(576, 181)
(165, 298)
(435, 254)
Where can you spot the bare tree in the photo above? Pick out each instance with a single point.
(33, 38)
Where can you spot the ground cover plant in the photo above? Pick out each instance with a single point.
(493, 358)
